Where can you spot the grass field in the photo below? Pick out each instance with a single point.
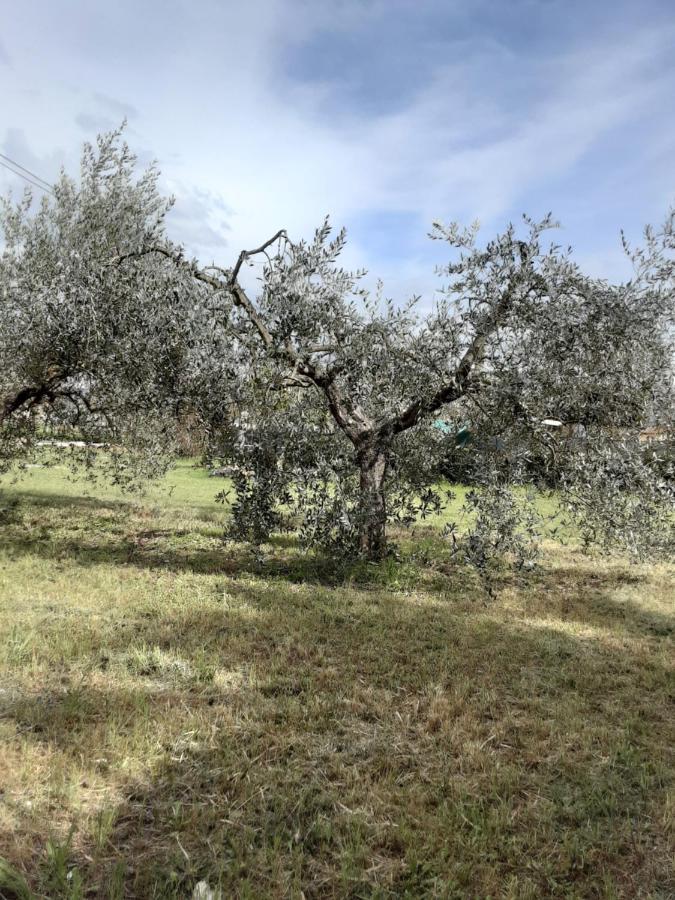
(174, 709)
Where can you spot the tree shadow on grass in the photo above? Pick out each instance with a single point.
(66, 501)
(581, 593)
(598, 598)
(130, 503)
(124, 540)
(348, 744)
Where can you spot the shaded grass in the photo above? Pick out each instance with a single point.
(174, 709)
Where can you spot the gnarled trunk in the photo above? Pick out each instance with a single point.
(372, 506)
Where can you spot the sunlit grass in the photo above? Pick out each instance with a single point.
(176, 709)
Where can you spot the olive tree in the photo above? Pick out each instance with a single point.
(326, 399)
(96, 338)
(339, 393)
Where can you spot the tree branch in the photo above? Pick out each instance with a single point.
(30, 396)
(352, 420)
(244, 255)
(458, 383)
(26, 395)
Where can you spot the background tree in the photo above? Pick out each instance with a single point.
(96, 339)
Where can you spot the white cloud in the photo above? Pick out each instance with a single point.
(247, 149)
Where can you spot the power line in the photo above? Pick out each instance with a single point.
(26, 178)
(27, 171)
(34, 179)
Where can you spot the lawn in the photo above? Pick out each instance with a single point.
(174, 709)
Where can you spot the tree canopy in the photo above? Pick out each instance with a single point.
(325, 399)
(95, 338)
(342, 392)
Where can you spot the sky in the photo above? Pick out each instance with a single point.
(384, 114)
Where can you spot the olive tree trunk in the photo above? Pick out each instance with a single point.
(372, 506)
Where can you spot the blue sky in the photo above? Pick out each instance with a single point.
(385, 115)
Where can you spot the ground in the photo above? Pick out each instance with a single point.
(174, 709)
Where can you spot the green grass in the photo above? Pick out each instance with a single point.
(174, 709)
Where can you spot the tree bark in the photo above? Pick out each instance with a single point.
(373, 507)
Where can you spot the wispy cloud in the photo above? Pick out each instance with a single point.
(200, 220)
(115, 107)
(105, 114)
(384, 114)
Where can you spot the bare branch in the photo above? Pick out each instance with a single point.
(245, 254)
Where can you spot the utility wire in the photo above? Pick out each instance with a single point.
(27, 171)
(34, 179)
(26, 178)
